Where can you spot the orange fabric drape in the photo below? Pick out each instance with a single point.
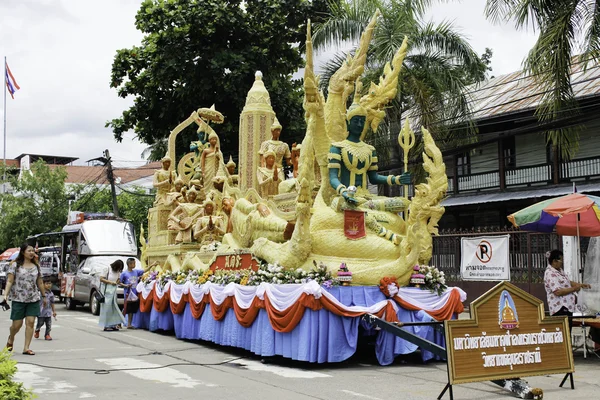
(285, 320)
(454, 305)
(198, 308)
(146, 303)
(178, 308)
(161, 304)
(246, 316)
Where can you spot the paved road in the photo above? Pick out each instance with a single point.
(80, 363)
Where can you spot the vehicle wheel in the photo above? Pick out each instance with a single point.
(94, 305)
(70, 303)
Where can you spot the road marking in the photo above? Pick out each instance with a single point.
(282, 371)
(138, 338)
(139, 369)
(364, 396)
(29, 375)
(85, 395)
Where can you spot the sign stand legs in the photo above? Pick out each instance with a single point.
(448, 386)
(570, 375)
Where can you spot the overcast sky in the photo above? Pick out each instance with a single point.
(61, 52)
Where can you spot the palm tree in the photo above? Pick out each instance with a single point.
(439, 64)
(566, 27)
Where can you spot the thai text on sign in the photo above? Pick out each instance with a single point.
(507, 336)
(235, 261)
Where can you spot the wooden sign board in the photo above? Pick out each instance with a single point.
(235, 261)
(507, 337)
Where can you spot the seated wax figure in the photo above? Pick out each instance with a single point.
(183, 217)
(268, 177)
(281, 149)
(177, 195)
(353, 163)
(209, 228)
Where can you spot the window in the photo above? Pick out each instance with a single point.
(510, 156)
(463, 164)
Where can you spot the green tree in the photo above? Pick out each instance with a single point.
(439, 65)
(133, 204)
(38, 203)
(196, 53)
(566, 28)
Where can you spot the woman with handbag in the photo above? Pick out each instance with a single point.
(110, 315)
(23, 287)
(130, 279)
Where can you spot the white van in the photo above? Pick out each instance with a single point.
(91, 241)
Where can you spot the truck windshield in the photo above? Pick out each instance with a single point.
(108, 237)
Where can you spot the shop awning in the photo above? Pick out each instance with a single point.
(492, 197)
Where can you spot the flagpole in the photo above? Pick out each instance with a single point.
(5, 89)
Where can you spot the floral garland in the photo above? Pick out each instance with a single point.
(268, 273)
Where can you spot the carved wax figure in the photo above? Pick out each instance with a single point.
(163, 181)
(281, 149)
(268, 176)
(209, 228)
(183, 217)
(177, 195)
(226, 207)
(209, 162)
(233, 177)
(353, 162)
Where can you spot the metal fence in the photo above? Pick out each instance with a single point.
(527, 254)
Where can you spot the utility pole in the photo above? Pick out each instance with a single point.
(111, 179)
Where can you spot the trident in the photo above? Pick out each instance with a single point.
(406, 140)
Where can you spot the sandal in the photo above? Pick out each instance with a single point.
(131, 327)
(9, 344)
(29, 352)
(110, 329)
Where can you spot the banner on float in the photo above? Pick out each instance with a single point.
(485, 258)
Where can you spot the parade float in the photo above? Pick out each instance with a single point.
(289, 266)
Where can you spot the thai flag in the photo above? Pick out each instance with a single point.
(11, 83)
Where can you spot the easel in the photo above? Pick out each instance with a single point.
(570, 375)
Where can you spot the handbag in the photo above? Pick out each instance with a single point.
(100, 298)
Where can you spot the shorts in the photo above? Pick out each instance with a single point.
(131, 307)
(19, 311)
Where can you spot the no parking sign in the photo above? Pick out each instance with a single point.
(485, 258)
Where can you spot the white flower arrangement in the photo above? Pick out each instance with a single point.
(435, 281)
(269, 273)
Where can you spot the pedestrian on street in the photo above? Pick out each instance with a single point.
(46, 312)
(560, 290)
(110, 314)
(23, 287)
(130, 279)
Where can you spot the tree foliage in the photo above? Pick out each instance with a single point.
(566, 28)
(196, 53)
(38, 204)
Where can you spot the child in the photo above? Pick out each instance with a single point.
(130, 279)
(47, 311)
